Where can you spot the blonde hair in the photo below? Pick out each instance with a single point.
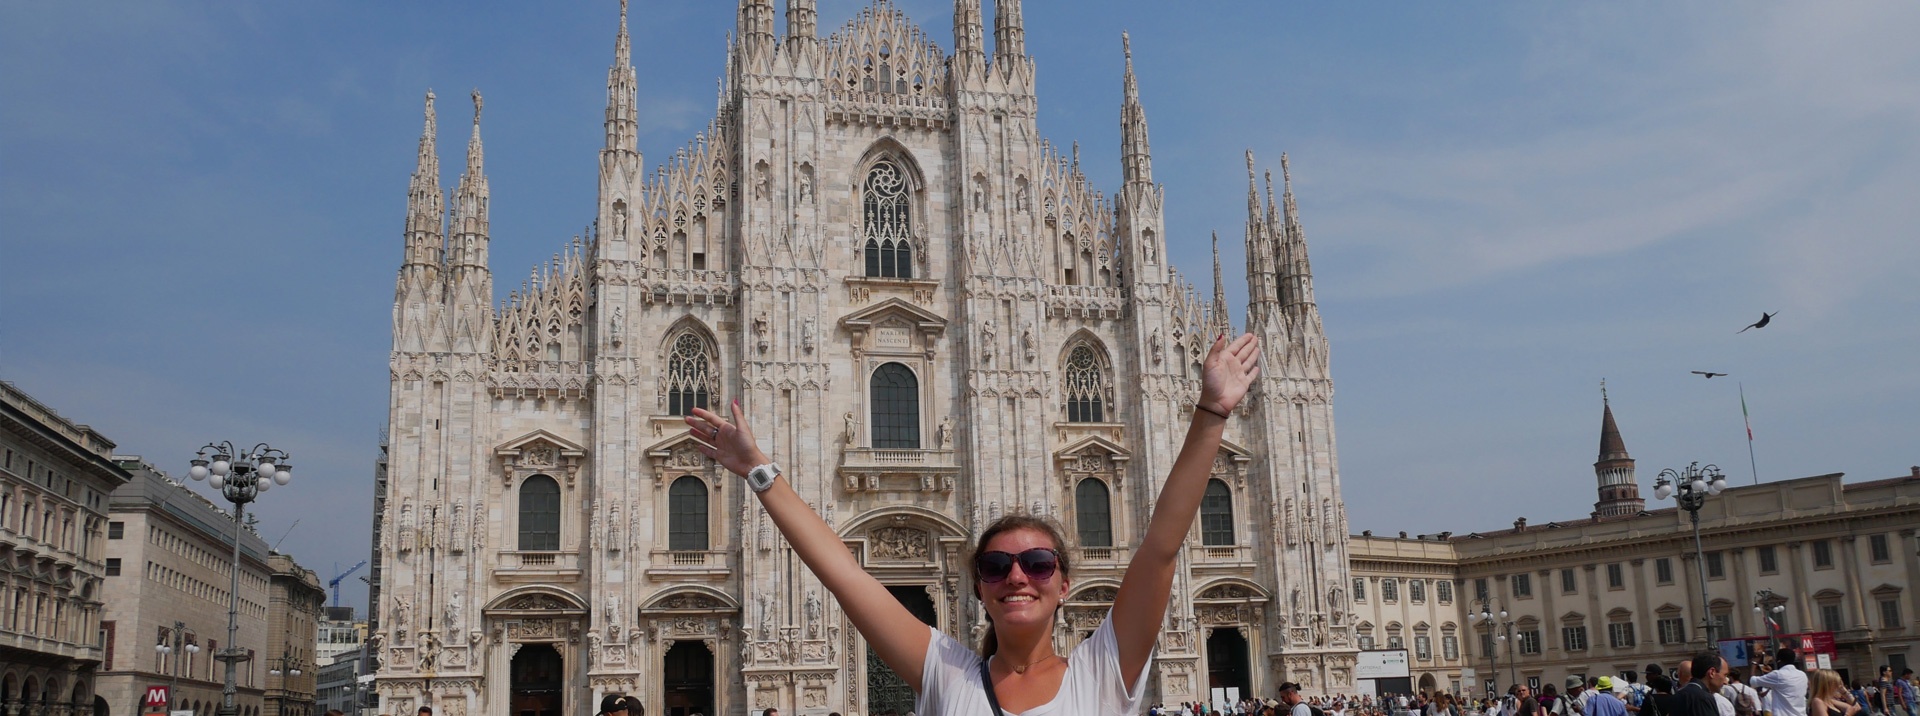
(989, 642)
(1826, 684)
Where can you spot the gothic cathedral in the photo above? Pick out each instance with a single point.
(932, 320)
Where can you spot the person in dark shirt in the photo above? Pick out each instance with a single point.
(1696, 698)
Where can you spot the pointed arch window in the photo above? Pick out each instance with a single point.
(687, 515)
(539, 514)
(690, 375)
(1086, 387)
(896, 408)
(887, 222)
(1094, 514)
(1216, 515)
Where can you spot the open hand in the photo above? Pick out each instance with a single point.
(728, 443)
(1230, 371)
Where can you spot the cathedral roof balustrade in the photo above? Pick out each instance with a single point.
(1102, 557)
(1102, 302)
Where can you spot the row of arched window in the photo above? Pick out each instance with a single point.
(1093, 514)
(540, 515)
(687, 515)
(895, 390)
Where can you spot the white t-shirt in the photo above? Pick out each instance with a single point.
(950, 681)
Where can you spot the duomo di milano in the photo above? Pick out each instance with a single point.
(931, 318)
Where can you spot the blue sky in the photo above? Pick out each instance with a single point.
(201, 204)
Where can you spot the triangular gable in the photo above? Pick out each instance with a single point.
(1240, 454)
(864, 319)
(679, 454)
(567, 448)
(1113, 450)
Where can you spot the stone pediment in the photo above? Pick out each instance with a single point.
(677, 455)
(894, 326)
(696, 599)
(540, 452)
(1093, 445)
(537, 600)
(537, 440)
(1232, 591)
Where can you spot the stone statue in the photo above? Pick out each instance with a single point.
(1023, 199)
(613, 614)
(806, 183)
(813, 614)
(1026, 341)
(853, 430)
(453, 612)
(987, 335)
(617, 327)
(806, 335)
(942, 436)
(402, 613)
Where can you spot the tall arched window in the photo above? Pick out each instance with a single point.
(896, 407)
(887, 222)
(1086, 387)
(1216, 515)
(539, 514)
(690, 375)
(1092, 512)
(687, 515)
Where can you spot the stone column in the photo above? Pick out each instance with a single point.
(1849, 560)
(1740, 591)
(1550, 583)
(1795, 561)
(1910, 544)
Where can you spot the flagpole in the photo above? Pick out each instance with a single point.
(1751, 462)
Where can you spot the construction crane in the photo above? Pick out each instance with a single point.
(334, 584)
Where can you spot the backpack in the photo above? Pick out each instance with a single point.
(1316, 710)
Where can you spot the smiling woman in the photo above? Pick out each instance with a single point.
(1021, 571)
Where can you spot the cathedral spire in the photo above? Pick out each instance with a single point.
(1262, 269)
(803, 21)
(969, 36)
(1299, 269)
(470, 205)
(1009, 32)
(426, 207)
(1619, 490)
(756, 27)
(623, 127)
(1136, 153)
(1221, 320)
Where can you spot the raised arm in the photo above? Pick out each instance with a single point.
(895, 634)
(1142, 603)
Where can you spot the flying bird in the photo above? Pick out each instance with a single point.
(1765, 318)
(1710, 376)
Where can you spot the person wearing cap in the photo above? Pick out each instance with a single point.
(1574, 702)
(614, 705)
(1605, 701)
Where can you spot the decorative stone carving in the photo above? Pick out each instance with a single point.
(901, 544)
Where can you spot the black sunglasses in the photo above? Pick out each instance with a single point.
(1038, 564)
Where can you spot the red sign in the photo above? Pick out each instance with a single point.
(157, 696)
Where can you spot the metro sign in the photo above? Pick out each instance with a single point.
(157, 696)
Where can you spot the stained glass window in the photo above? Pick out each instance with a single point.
(690, 375)
(1086, 387)
(887, 223)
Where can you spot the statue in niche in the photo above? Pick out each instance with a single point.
(806, 335)
(813, 614)
(1153, 345)
(1023, 199)
(614, 541)
(617, 324)
(761, 322)
(945, 434)
(1026, 342)
(453, 612)
(853, 430)
(402, 614)
(987, 335)
(613, 614)
(620, 221)
(806, 183)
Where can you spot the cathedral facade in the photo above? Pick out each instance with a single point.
(930, 318)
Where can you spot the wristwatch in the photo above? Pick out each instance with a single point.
(761, 478)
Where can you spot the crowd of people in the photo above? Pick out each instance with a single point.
(1704, 686)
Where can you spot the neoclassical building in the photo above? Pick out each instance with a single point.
(1622, 587)
(933, 320)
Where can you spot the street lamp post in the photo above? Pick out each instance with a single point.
(1690, 488)
(286, 667)
(1766, 601)
(178, 649)
(1499, 629)
(240, 477)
